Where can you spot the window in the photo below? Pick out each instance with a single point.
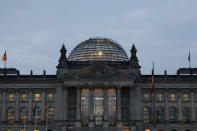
(147, 97)
(36, 96)
(112, 106)
(85, 102)
(11, 97)
(24, 114)
(186, 97)
(147, 129)
(24, 96)
(173, 97)
(11, 115)
(160, 114)
(51, 96)
(146, 114)
(50, 114)
(186, 115)
(173, 114)
(159, 97)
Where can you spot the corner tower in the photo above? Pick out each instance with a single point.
(134, 67)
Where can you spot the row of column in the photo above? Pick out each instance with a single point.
(91, 123)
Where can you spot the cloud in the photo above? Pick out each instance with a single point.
(32, 32)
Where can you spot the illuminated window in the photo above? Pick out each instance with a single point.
(24, 97)
(147, 129)
(112, 106)
(159, 97)
(172, 97)
(11, 96)
(50, 96)
(98, 105)
(85, 101)
(9, 130)
(36, 96)
(147, 97)
(186, 97)
(11, 115)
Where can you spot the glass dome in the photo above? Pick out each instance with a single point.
(98, 49)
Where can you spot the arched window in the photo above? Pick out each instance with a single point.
(147, 115)
(24, 115)
(186, 115)
(173, 114)
(50, 114)
(160, 114)
(11, 115)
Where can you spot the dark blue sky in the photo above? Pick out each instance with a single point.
(32, 32)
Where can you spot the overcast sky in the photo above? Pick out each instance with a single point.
(163, 31)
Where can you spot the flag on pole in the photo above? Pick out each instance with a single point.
(45, 108)
(34, 113)
(153, 90)
(189, 59)
(4, 58)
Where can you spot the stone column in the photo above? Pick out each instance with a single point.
(43, 98)
(60, 103)
(105, 106)
(130, 103)
(30, 115)
(66, 103)
(17, 113)
(166, 105)
(4, 110)
(118, 106)
(78, 107)
(91, 108)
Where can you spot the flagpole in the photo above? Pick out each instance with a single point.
(5, 64)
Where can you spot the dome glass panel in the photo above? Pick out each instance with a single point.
(98, 49)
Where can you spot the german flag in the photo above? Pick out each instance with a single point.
(45, 108)
(153, 87)
(4, 58)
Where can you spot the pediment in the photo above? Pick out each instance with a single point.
(98, 73)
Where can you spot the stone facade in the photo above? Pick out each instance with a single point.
(92, 94)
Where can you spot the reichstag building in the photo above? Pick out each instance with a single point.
(97, 87)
